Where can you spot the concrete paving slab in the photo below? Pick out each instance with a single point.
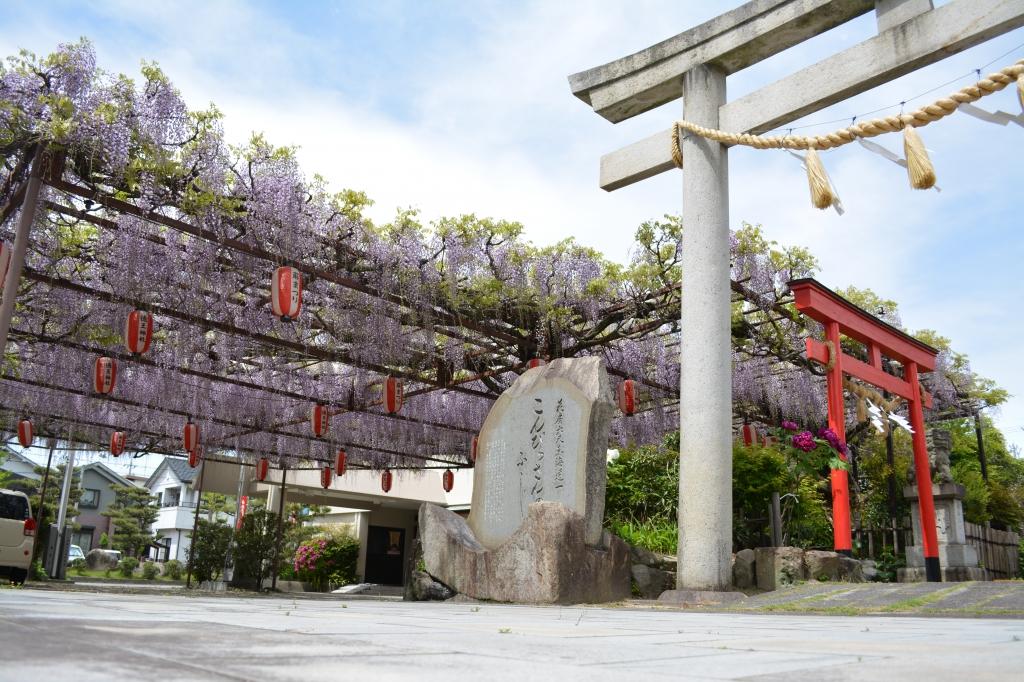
(93, 636)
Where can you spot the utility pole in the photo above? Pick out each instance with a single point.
(60, 560)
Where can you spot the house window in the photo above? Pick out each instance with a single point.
(83, 538)
(172, 497)
(90, 499)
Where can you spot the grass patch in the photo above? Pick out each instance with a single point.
(657, 536)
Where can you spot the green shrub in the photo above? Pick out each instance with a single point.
(656, 535)
(78, 565)
(36, 571)
(887, 565)
(127, 566)
(173, 569)
(150, 570)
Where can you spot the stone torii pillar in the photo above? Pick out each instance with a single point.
(694, 66)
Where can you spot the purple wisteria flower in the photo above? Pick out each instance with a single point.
(790, 426)
(804, 441)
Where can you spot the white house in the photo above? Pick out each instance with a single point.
(174, 485)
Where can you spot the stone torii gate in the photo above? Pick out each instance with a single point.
(694, 65)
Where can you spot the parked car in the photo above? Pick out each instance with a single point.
(17, 535)
(75, 552)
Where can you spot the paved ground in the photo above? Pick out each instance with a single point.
(49, 635)
(973, 599)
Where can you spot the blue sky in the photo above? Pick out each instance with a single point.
(464, 107)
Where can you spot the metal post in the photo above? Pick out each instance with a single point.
(981, 446)
(28, 216)
(195, 527)
(280, 530)
(705, 404)
(776, 510)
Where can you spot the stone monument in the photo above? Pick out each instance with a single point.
(535, 530)
(959, 560)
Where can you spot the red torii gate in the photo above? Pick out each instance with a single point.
(841, 317)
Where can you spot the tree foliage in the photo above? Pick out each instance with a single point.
(131, 515)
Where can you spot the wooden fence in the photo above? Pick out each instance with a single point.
(998, 550)
(870, 542)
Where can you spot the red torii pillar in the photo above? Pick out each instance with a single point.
(840, 317)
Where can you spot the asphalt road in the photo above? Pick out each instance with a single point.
(83, 636)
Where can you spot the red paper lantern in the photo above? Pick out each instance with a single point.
(320, 419)
(104, 375)
(473, 449)
(194, 456)
(386, 479)
(25, 433)
(627, 397)
(190, 436)
(5, 262)
(535, 362)
(340, 462)
(393, 393)
(286, 293)
(749, 434)
(138, 331)
(325, 477)
(448, 480)
(117, 442)
(262, 467)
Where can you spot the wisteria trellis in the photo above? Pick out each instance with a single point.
(146, 206)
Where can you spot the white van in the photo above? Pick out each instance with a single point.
(17, 535)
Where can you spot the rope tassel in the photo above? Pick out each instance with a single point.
(817, 178)
(919, 166)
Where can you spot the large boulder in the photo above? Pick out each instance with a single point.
(850, 570)
(642, 555)
(422, 587)
(778, 566)
(743, 569)
(651, 582)
(547, 560)
(823, 566)
(100, 560)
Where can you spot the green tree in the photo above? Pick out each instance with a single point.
(209, 549)
(211, 505)
(133, 512)
(254, 548)
(5, 476)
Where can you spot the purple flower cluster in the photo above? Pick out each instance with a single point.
(790, 426)
(804, 441)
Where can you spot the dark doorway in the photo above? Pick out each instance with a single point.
(385, 554)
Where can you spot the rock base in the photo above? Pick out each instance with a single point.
(422, 587)
(546, 561)
(699, 598)
(953, 574)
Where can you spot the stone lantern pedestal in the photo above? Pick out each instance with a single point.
(959, 560)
